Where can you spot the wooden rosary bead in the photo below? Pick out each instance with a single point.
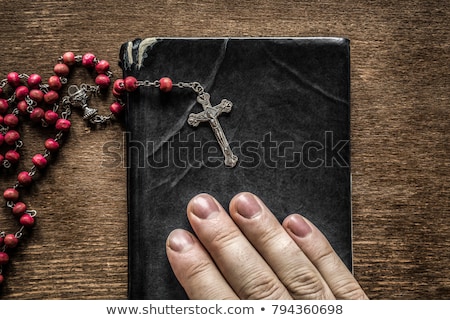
(37, 114)
(130, 83)
(51, 97)
(4, 105)
(11, 194)
(11, 120)
(21, 92)
(51, 116)
(34, 80)
(103, 81)
(22, 106)
(116, 108)
(4, 258)
(11, 137)
(19, 209)
(54, 82)
(102, 66)
(69, 58)
(11, 241)
(39, 161)
(36, 95)
(165, 84)
(119, 86)
(12, 156)
(26, 220)
(24, 179)
(51, 145)
(13, 79)
(61, 69)
(63, 125)
(88, 60)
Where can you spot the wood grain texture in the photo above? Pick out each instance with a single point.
(400, 141)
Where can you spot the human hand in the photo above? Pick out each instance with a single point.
(248, 254)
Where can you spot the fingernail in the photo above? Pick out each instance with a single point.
(203, 206)
(247, 206)
(180, 240)
(299, 226)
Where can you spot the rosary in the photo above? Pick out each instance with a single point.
(40, 102)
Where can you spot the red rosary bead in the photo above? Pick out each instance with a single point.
(4, 258)
(26, 220)
(39, 161)
(51, 145)
(165, 84)
(2, 138)
(63, 125)
(12, 156)
(21, 92)
(103, 81)
(51, 116)
(19, 209)
(24, 179)
(54, 82)
(34, 80)
(2, 279)
(69, 58)
(88, 60)
(11, 241)
(11, 194)
(11, 120)
(13, 79)
(11, 137)
(37, 95)
(119, 86)
(37, 114)
(116, 108)
(51, 97)
(4, 105)
(61, 69)
(102, 66)
(130, 83)
(22, 106)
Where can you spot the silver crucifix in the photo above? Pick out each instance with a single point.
(211, 114)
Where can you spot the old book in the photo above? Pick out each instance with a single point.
(288, 126)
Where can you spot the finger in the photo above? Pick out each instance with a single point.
(317, 248)
(241, 265)
(291, 265)
(194, 268)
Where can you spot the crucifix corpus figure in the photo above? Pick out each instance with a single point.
(211, 115)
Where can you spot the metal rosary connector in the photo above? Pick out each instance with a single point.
(78, 97)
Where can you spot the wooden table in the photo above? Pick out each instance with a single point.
(400, 77)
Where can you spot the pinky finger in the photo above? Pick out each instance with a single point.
(319, 251)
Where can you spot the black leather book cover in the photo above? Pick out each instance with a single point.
(288, 126)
